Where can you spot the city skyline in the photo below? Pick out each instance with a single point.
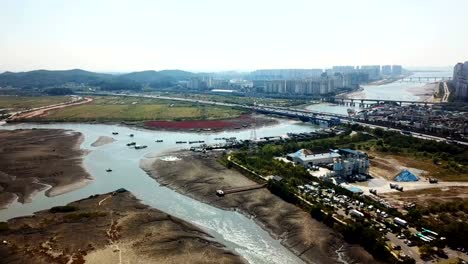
(119, 36)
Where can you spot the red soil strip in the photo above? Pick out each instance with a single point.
(242, 121)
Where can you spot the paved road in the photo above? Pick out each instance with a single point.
(446, 92)
(405, 249)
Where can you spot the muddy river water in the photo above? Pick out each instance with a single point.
(238, 232)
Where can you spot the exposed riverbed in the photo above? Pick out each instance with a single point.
(237, 232)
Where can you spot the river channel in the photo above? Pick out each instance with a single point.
(398, 90)
(238, 232)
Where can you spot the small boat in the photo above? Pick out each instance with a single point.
(131, 144)
(141, 147)
(193, 142)
(181, 142)
(201, 141)
(109, 170)
(159, 140)
(131, 135)
(115, 133)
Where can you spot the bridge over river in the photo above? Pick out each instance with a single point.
(366, 102)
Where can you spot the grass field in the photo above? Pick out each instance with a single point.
(138, 109)
(27, 102)
(236, 99)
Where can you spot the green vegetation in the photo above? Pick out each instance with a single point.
(441, 160)
(58, 91)
(115, 109)
(63, 209)
(449, 219)
(43, 79)
(235, 99)
(263, 163)
(28, 102)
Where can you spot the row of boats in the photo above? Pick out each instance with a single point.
(116, 133)
(133, 144)
(190, 142)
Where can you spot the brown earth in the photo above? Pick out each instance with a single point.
(388, 166)
(108, 228)
(242, 122)
(426, 197)
(200, 175)
(34, 159)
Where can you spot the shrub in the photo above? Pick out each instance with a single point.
(3, 226)
(63, 209)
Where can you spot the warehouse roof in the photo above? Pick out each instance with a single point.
(305, 154)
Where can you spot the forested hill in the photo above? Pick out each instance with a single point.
(131, 81)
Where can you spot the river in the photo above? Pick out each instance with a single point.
(397, 90)
(238, 232)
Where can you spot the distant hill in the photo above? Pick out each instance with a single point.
(46, 79)
(158, 76)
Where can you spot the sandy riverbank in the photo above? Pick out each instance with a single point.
(425, 93)
(36, 159)
(199, 176)
(109, 228)
(103, 140)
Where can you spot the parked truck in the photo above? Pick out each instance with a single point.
(433, 180)
(400, 222)
(356, 213)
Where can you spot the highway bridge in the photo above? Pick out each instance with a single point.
(425, 79)
(367, 102)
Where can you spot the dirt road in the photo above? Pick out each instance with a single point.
(44, 110)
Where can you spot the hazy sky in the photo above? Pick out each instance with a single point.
(203, 35)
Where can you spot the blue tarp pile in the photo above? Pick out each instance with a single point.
(406, 176)
(354, 189)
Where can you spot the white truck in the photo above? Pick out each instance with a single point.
(356, 213)
(400, 222)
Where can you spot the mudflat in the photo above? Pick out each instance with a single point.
(108, 228)
(102, 140)
(35, 159)
(199, 176)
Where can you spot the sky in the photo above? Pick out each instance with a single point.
(218, 35)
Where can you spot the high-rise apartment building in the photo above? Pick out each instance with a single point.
(372, 70)
(386, 70)
(460, 81)
(397, 70)
(343, 69)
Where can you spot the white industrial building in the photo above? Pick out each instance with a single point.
(352, 162)
(306, 157)
(347, 163)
